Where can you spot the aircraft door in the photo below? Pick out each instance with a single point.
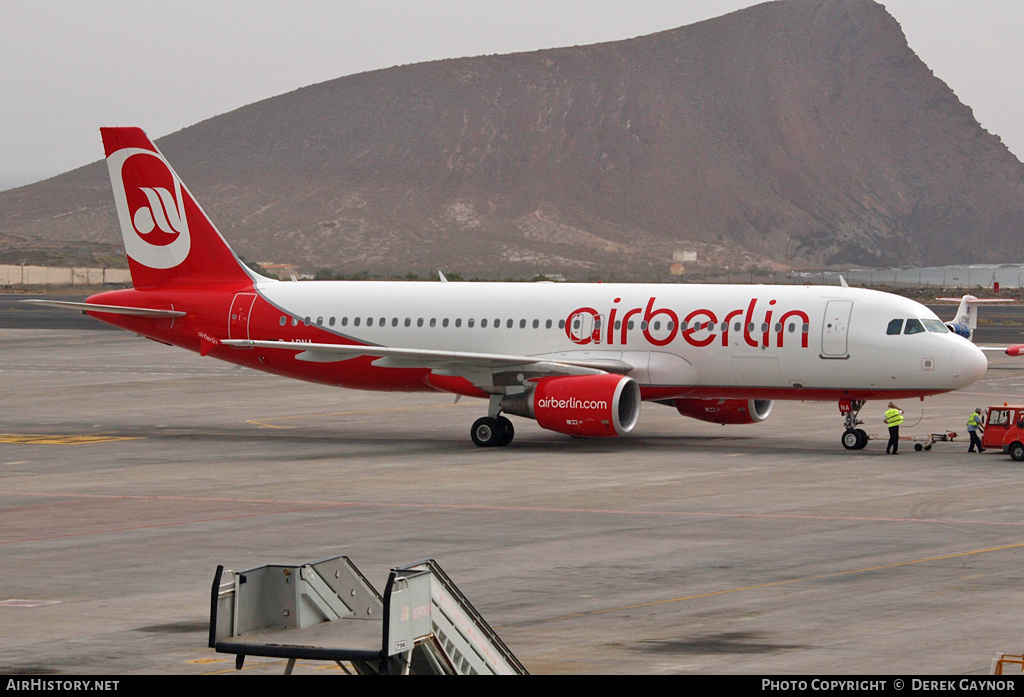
(585, 328)
(835, 328)
(238, 320)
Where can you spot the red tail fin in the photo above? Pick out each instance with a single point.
(167, 236)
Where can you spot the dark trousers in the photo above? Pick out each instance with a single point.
(894, 440)
(975, 441)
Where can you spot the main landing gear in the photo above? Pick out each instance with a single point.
(493, 430)
(853, 438)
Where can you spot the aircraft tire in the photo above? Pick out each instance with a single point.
(509, 430)
(851, 440)
(487, 432)
(863, 438)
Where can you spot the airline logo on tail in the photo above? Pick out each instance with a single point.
(151, 207)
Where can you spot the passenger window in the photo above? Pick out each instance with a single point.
(331, 321)
(344, 321)
(433, 321)
(895, 327)
(283, 320)
(536, 323)
(914, 326)
(483, 324)
(458, 322)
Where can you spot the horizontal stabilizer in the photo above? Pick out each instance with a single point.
(111, 309)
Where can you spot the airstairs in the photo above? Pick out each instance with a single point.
(327, 611)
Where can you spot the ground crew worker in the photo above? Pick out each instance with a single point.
(975, 426)
(893, 419)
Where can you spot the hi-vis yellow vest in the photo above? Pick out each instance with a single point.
(893, 417)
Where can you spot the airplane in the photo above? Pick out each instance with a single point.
(577, 358)
(966, 319)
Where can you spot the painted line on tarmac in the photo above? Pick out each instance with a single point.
(42, 439)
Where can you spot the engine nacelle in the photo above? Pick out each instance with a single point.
(725, 411)
(959, 329)
(591, 406)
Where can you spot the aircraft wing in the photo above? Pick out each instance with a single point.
(112, 309)
(463, 363)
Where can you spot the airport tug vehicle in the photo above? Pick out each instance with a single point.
(1004, 429)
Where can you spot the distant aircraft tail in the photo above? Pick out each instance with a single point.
(168, 238)
(966, 319)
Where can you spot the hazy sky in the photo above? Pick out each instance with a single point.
(71, 66)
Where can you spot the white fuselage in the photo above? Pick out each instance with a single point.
(782, 341)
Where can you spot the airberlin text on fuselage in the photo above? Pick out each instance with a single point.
(699, 327)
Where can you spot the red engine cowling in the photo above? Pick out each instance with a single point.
(725, 411)
(592, 406)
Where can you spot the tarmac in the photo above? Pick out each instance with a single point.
(129, 470)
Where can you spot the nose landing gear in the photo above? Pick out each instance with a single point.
(853, 438)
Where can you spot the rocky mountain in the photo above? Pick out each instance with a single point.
(798, 133)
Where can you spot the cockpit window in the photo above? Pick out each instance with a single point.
(935, 325)
(895, 327)
(914, 326)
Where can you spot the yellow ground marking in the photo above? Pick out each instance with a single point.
(40, 439)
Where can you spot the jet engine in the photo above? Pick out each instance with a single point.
(959, 329)
(725, 411)
(591, 406)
